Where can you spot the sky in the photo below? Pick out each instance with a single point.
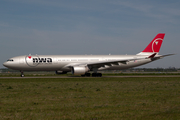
(79, 27)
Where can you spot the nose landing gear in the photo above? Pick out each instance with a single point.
(22, 74)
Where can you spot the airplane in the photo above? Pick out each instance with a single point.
(83, 64)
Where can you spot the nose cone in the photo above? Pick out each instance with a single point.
(5, 64)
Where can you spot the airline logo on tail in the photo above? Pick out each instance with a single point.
(155, 45)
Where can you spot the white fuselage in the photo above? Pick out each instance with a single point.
(60, 62)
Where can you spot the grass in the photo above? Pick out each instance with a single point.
(90, 98)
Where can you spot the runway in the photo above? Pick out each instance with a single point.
(131, 76)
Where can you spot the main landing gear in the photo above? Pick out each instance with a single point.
(86, 75)
(96, 75)
(93, 75)
(22, 74)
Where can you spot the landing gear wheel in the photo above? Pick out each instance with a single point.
(82, 75)
(99, 75)
(93, 74)
(22, 74)
(88, 74)
(96, 75)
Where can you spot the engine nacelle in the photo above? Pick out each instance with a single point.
(79, 70)
(61, 72)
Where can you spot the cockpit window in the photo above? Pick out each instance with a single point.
(10, 60)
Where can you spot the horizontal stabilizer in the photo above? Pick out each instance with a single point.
(166, 55)
(151, 56)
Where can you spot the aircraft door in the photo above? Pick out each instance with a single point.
(55, 60)
(22, 60)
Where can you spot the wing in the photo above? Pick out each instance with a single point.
(109, 63)
(103, 63)
(115, 62)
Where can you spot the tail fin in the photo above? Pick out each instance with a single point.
(154, 46)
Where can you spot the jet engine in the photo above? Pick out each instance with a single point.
(61, 72)
(79, 70)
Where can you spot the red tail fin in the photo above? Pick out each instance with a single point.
(155, 45)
